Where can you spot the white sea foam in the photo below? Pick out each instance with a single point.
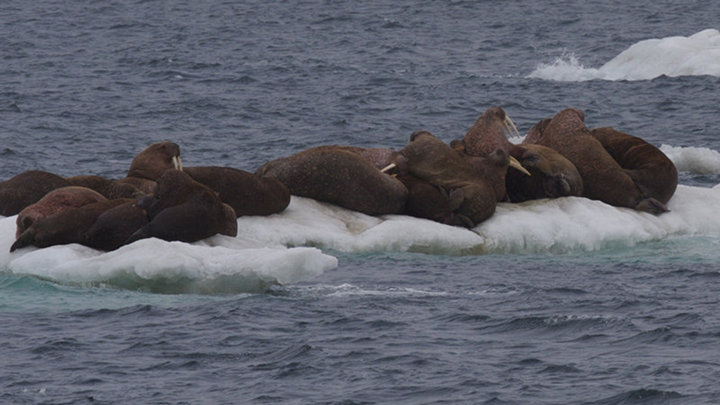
(696, 55)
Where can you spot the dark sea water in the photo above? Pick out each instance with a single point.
(550, 302)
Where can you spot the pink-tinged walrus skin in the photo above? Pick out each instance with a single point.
(64, 227)
(55, 201)
(487, 137)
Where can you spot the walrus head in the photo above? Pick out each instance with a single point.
(152, 162)
(536, 132)
(488, 132)
(566, 122)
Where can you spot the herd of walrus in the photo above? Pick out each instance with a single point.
(458, 184)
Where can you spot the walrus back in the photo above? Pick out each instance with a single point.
(340, 177)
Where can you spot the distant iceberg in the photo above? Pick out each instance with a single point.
(696, 55)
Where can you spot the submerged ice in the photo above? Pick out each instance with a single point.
(696, 55)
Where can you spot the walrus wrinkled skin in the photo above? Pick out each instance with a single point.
(603, 178)
(247, 193)
(181, 209)
(113, 227)
(63, 227)
(485, 138)
(487, 134)
(652, 171)
(56, 201)
(552, 175)
(151, 163)
(27, 188)
(338, 176)
(111, 189)
(430, 159)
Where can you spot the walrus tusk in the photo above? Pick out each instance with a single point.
(388, 168)
(177, 162)
(514, 163)
(510, 124)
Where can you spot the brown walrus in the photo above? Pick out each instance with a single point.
(430, 159)
(603, 178)
(64, 227)
(151, 163)
(114, 226)
(27, 188)
(247, 193)
(181, 209)
(651, 170)
(339, 176)
(426, 200)
(486, 137)
(56, 201)
(488, 133)
(552, 175)
(111, 189)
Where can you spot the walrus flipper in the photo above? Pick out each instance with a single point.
(652, 206)
(24, 240)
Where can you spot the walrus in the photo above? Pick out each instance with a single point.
(385, 159)
(652, 171)
(603, 178)
(552, 175)
(110, 189)
(430, 159)
(113, 227)
(27, 188)
(63, 227)
(338, 176)
(426, 200)
(486, 137)
(55, 201)
(247, 193)
(488, 133)
(182, 209)
(151, 163)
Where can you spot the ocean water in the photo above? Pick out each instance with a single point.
(565, 301)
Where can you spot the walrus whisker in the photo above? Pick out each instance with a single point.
(515, 164)
(388, 168)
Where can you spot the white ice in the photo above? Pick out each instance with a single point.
(696, 55)
(285, 248)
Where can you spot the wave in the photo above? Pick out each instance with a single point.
(643, 396)
(696, 55)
